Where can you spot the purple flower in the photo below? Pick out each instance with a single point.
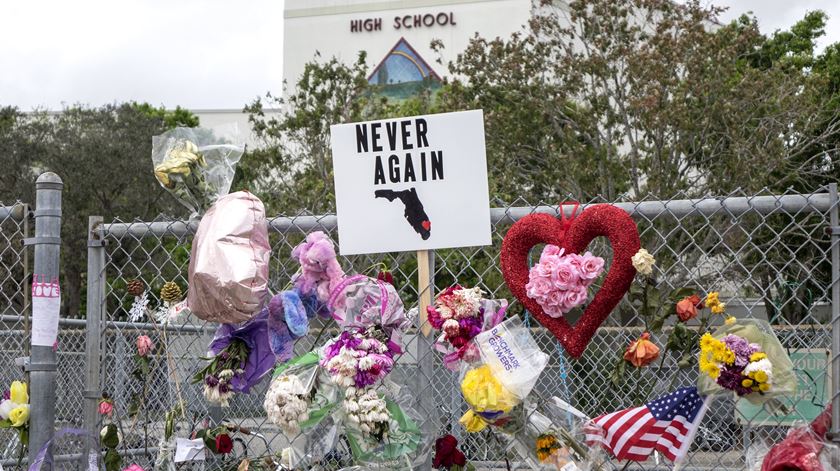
(7, 395)
(731, 379)
(741, 348)
(211, 380)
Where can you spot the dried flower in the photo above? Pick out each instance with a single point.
(367, 412)
(144, 345)
(643, 262)
(688, 307)
(285, 405)
(641, 352)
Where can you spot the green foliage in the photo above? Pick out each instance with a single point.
(179, 117)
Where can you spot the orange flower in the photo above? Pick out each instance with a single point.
(642, 351)
(688, 306)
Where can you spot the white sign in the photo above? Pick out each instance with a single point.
(413, 183)
(46, 303)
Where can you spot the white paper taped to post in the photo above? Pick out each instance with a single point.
(46, 303)
(416, 183)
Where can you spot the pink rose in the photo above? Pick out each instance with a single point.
(576, 297)
(564, 275)
(590, 267)
(134, 467)
(105, 407)
(144, 345)
(551, 251)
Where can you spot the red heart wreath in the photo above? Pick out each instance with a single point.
(574, 237)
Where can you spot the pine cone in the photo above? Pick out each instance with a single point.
(135, 287)
(171, 292)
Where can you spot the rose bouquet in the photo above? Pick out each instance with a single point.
(560, 281)
(745, 357)
(461, 314)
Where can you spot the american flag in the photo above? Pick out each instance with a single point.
(666, 424)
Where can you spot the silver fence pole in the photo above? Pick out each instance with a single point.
(42, 363)
(95, 308)
(834, 219)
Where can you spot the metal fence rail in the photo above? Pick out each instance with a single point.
(771, 256)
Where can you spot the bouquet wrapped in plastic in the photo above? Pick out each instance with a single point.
(460, 314)
(196, 165)
(511, 362)
(747, 358)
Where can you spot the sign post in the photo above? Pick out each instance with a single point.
(412, 184)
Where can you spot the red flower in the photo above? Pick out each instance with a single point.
(224, 444)
(447, 453)
(385, 276)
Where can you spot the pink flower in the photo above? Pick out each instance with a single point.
(591, 267)
(575, 297)
(564, 275)
(105, 407)
(134, 467)
(451, 327)
(551, 251)
(144, 345)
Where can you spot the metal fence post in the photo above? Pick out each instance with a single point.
(42, 365)
(834, 220)
(95, 305)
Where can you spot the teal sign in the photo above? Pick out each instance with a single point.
(812, 393)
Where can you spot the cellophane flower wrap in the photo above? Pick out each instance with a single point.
(560, 281)
(197, 165)
(240, 356)
(747, 358)
(350, 390)
(511, 362)
(460, 314)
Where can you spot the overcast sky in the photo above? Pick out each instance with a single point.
(201, 54)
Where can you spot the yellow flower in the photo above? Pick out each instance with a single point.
(719, 308)
(547, 444)
(18, 393)
(747, 383)
(19, 415)
(758, 356)
(764, 387)
(472, 422)
(730, 320)
(712, 298)
(761, 376)
(483, 392)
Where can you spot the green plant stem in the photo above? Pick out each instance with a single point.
(20, 450)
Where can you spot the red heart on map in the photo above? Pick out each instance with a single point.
(598, 220)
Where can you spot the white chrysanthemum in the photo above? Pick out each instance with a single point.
(760, 365)
(467, 302)
(284, 404)
(367, 411)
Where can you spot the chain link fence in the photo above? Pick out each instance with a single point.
(15, 225)
(769, 255)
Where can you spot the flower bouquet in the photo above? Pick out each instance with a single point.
(196, 165)
(240, 356)
(461, 314)
(14, 413)
(511, 363)
(747, 358)
(560, 281)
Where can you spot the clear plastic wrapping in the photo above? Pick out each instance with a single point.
(197, 165)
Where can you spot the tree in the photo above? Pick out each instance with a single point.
(103, 155)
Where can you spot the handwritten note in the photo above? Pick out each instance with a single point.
(46, 302)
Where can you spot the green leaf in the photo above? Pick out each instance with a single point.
(317, 416)
(679, 293)
(111, 439)
(6, 423)
(113, 460)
